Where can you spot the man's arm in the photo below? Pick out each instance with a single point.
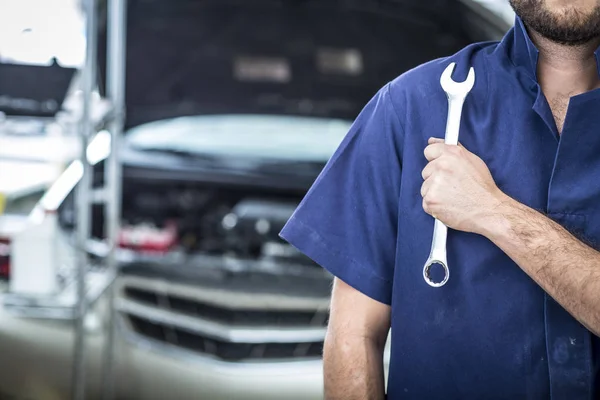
(353, 353)
(567, 269)
(355, 238)
(459, 190)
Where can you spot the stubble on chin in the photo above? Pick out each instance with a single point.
(568, 25)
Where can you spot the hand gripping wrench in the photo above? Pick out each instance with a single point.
(456, 93)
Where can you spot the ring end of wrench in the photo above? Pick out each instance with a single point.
(427, 273)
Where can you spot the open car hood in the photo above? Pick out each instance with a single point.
(320, 58)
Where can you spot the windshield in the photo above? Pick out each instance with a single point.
(260, 136)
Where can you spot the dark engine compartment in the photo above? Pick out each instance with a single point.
(209, 218)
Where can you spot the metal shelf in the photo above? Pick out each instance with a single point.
(62, 305)
(83, 116)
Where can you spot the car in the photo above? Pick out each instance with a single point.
(233, 109)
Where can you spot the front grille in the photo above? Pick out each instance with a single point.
(250, 318)
(228, 325)
(220, 349)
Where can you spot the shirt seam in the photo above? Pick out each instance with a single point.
(389, 95)
(568, 214)
(487, 70)
(326, 246)
(402, 138)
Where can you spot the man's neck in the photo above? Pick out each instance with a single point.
(566, 70)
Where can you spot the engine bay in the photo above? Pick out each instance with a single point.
(194, 218)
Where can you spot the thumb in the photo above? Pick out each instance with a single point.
(433, 140)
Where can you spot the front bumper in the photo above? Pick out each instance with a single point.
(163, 371)
(248, 335)
(168, 368)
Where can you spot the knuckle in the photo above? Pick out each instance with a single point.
(457, 150)
(443, 164)
(430, 197)
(447, 172)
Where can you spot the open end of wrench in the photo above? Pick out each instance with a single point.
(453, 88)
(427, 273)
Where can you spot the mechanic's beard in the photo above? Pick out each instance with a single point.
(569, 27)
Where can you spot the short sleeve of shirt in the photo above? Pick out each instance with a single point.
(348, 220)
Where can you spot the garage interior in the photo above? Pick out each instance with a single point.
(141, 261)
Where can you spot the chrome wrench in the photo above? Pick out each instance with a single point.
(456, 93)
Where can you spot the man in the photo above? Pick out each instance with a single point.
(520, 315)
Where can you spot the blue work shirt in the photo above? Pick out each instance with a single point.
(491, 332)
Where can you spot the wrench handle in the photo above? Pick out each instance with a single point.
(440, 231)
(455, 106)
(438, 245)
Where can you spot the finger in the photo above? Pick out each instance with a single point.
(428, 170)
(459, 150)
(425, 187)
(459, 146)
(434, 151)
(427, 208)
(441, 165)
(433, 140)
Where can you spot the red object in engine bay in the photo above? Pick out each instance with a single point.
(4, 258)
(148, 238)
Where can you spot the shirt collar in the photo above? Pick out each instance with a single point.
(523, 52)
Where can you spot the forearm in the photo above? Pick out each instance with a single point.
(353, 369)
(567, 269)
